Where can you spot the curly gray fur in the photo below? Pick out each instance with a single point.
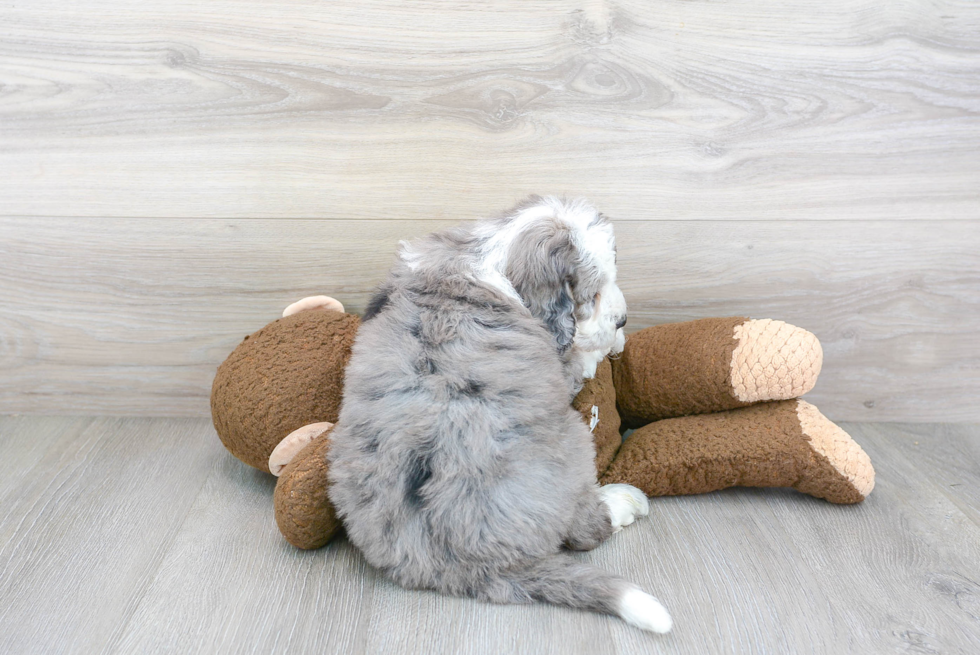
(458, 463)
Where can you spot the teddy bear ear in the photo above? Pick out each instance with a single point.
(313, 302)
(294, 442)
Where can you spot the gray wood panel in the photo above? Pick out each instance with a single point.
(133, 316)
(919, 544)
(948, 454)
(230, 581)
(776, 109)
(86, 521)
(167, 544)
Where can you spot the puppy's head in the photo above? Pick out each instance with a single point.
(561, 261)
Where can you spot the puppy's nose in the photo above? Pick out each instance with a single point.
(621, 322)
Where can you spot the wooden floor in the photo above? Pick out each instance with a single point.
(144, 535)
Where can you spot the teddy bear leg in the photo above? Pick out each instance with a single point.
(773, 360)
(775, 444)
(712, 365)
(294, 442)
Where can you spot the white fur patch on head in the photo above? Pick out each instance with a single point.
(597, 247)
(597, 334)
(577, 214)
(497, 245)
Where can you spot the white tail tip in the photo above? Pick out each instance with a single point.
(644, 611)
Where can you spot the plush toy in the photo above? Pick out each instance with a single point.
(715, 403)
(696, 370)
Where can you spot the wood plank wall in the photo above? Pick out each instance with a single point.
(173, 173)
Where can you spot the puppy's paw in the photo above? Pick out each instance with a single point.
(625, 503)
(644, 611)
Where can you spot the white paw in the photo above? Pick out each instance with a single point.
(313, 302)
(625, 502)
(644, 611)
(294, 442)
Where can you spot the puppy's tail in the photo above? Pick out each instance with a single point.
(561, 580)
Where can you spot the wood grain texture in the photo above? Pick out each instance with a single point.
(168, 544)
(86, 521)
(776, 109)
(133, 316)
(230, 581)
(949, 455)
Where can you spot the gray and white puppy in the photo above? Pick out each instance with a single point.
(458, 463)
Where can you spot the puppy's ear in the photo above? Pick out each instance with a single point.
(560, 317)
(377, 303)
(541, 266)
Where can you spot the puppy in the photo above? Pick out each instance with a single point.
(458, 463)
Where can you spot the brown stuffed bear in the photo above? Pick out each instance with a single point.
(699, 393)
